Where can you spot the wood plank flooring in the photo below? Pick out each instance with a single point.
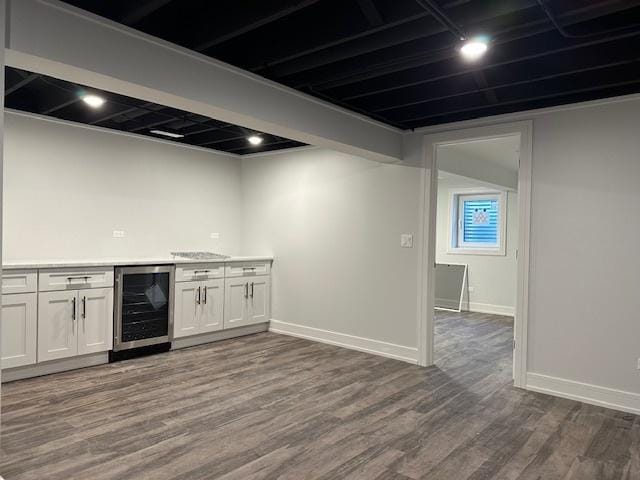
(274, 407)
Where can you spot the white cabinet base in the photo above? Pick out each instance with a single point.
(54, 366)
(204, 338)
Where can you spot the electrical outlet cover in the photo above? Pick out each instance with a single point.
(118, 234)
(406, 240)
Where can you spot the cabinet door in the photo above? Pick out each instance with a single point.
(57, 325)
(185, 318)
(259, 300)
(18, 329)
(95, 320)
(235, 302)
(212, 305)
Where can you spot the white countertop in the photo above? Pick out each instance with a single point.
(112, 262)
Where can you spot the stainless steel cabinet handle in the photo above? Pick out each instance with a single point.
(249, 268)
(196, 272)
(205, 294)
(84, 277)
(198, 299)
(246, 290)
(84, 307)
(73, 311)
(251, 289)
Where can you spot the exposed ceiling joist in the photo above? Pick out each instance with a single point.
(393, 34)
(254, 25)
(542, 78)
(565, 93)
(511, 61)
(142, 10)
(25, 81)
(59, 106)
(370, 12)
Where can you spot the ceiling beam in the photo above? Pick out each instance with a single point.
(25, 81)
(254, 25)
(564, 93)
(141, 11)
(370, 12)
(44, 39)
(510, 61)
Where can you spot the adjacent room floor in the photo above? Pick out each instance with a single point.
(275, 407)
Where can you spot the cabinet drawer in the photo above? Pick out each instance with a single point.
(240, 269)
(200, 271)
(74, 278)
(19, 281)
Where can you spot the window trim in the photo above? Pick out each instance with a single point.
(453, 246)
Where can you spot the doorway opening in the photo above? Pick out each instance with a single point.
(475, 250)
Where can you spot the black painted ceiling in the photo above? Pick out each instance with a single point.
(35, 93)
(398, 60)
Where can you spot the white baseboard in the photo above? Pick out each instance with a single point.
(477, 307)
(368, 345)
(492, 309)
(584, 392)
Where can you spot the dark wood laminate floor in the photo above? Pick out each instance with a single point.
(276, 407)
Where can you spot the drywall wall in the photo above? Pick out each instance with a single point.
(333, 222)
(584, 273)
(491, 278)
(67, 188)
(585, 270)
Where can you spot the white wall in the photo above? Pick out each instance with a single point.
(584, 299)
(493, 277)
(66, 189)
(333, 222)
(585, 267)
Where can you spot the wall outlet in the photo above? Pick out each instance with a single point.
(215, 235)
(406, 240)
(118, 234)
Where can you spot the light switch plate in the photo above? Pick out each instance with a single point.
(215, 235)
(118, 234)
(406, 240)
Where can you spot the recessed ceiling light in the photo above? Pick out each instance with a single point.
(93, 101)
(255, 140)
(167, 134)
(474, 49)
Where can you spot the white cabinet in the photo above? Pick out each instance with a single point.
(57, 325)
(74, 322)
(95, 325)
(247, 300)
(199, 307)
(212, 307)
(18, 326)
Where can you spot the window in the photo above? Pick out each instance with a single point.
(478, 222)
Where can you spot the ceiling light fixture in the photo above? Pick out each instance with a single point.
(255, 140)
(474, 48)
(94, 101)
(167, 134)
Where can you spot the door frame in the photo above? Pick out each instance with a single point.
(426, 273)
